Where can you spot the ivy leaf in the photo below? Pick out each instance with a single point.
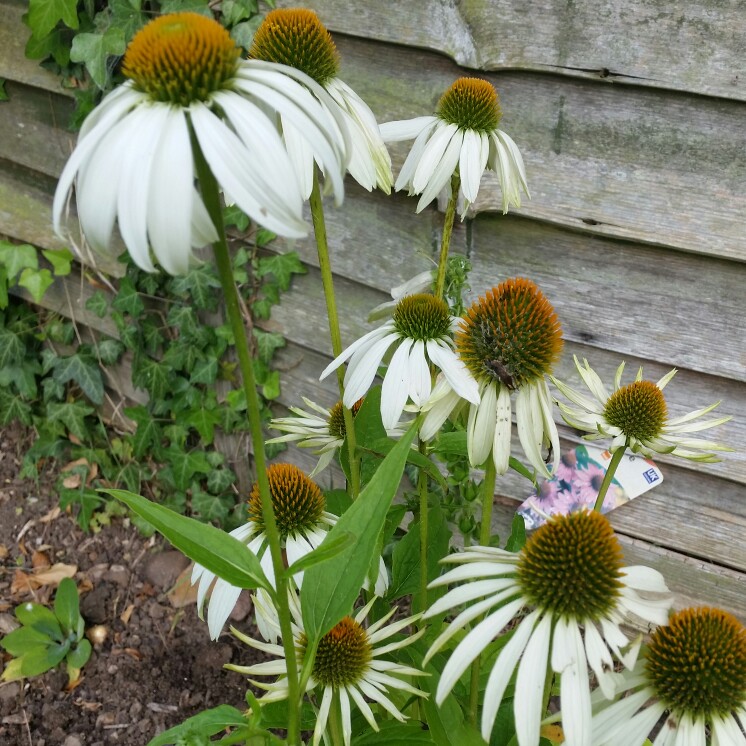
(203, 421)
(126, 15)
(72, 415)
(148, 434)
(243, 33)
(185, 465)
(186, 6)
(60, 259)
(17, 257)
(88, 500)
(43, 15)
(36, 281)
(128, 300)
(209, 507)
(13, 408)
(97, 304)
(152, 376)
(94, 50)
(205, 371)
(237, 10)
(85, 371)
(267, 343)
(200, 283)
(12, 349)
(110, 350)
(219, 480)
(282, 266)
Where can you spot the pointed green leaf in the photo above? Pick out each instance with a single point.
(148, 433)
(83, 370)
(17, 257)
(329, 590)
(214, 549)
(282, 266)
(98, 304)
(40, 618)
(207, 723)
(12, 349)
(66, 607)
(36, 281)
(60, 259)
(94, 51)
(79, 655)
(24, 639)
(43, 15)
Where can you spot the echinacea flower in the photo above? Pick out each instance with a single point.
(462, 137)
(635, 416)
(693, 672)
(568, 594)
(188, 91)
(349, 667)
(302, 522)
(295, 37)
(509, 340)
(421, 329)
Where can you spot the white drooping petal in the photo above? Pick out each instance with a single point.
(432, 155)
(456, 373)
(413, 160)
(405, 129)
(222, 602)
(503, 427)
(420, 384)
(444, 170)
(470, 164)
(529, 684)
(348, 352)
(359, 377)
(395, 389)
(480, 432)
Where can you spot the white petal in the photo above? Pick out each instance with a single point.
(395, 389)
(503, 429)
(348, 352)
(418, 375)
(406, 175)
(469, 164)
(323, 716)
(444, 170)
(437, 414)
(432, 155)
(405, 129)
(529, 419)
(359, 378)
(643, 578)
(454, 370)
(222, 602)
(529, 684)
(569, 661)
(481, 426)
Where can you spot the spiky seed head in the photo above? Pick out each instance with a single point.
(422, 316)
(571, 566)
(638, 410)
(296, 37)
(337, 418)
(511, 334)
(471, 103)
(298, 501)
(180, 58)
(697, 663)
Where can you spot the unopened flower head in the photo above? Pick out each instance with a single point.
(568, 593)
(635, 416)
(421, 329)
(135, 160)
(349, 666)
(694, 672)
(302, 521)
(463, 137)
(509, 340)
(295, 37)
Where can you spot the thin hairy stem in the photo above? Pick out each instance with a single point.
(610, 471)
(445, 243)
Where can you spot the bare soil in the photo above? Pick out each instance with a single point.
(156, 665)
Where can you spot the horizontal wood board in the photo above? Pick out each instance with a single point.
(696, 47)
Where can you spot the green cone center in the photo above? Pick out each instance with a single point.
(471, 103)
(510, 335)
(571, 567)
(298, 501)
(697, 663)
(422, 317)
(296, 37)
(638, 410)
(181, 58)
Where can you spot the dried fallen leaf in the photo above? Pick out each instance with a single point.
(126, 614)
(183, 592)
(72, 482)
(39, 560)
(3, 551)
(51, 515)
(25, 583)
(89, 706)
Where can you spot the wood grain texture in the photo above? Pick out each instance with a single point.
(696, 47)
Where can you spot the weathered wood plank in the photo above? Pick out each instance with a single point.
(695, 47)
(651, 166)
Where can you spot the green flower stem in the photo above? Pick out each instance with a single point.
(423, 492)
(211, 197)
(485, 532)
(610, 471)
(319, 228)
(445, 244)
(334, 722)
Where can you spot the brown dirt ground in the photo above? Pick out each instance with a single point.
(157, 665)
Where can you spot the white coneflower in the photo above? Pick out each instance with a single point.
(134, 160)
(421, 329)
(295, 37)
(568, 594)
(694, 672)
(509, 340)
(636, 416)
(463, 136)
(302, 522)
(348, 667)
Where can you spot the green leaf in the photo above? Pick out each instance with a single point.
(3, 288)
(519, 468)
(24, 639)
(452, 444)
(85, 371)
(152, 376)
(396, 734)
(209, 507)
(60, 259)
(86, 499)
(205, 371)
(234, 215)
(35, 662)
(66, 607)
(98, 304)
(109, 350)
(185, 465)
(331, 589)
(12, 348)
(200, 283)
(126, 15)
(321, 554)
(94, 51)
(204, 422)
(148, 433)
(128, 300)
(267, 343)
(219, 480)
(405, 567)
(41, 619)
(517, 538)
(207, 723)
(43, 15)
(17, 257)
(282, 266)
(243, 33)
(186, 6)
(212, 548)
(271, 385)
(79, 655)
(36, 281)
(72, 415)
